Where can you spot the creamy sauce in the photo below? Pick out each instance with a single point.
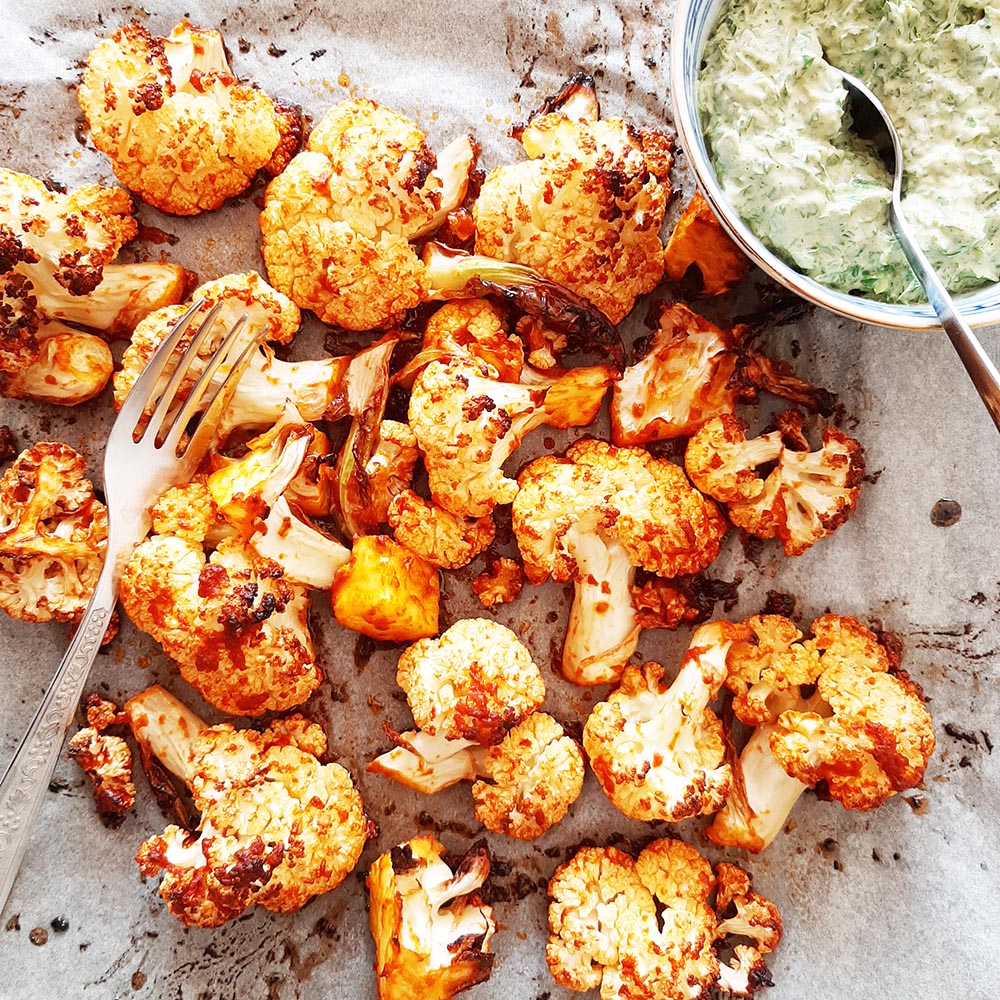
(772, 108)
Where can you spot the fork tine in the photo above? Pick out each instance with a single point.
(200, 440)
(142, 391)
(190, 354)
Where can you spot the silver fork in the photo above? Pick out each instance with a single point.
(141, 462)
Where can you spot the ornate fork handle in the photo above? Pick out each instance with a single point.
(28, 774)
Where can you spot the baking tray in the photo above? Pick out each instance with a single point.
(901, 902)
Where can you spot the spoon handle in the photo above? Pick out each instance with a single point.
(981, 369)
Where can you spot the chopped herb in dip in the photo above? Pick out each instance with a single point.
(772, 108)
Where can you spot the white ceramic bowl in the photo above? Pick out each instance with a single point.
(693, 23)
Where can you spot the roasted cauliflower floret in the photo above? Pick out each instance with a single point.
(337, 223)
(586, 209)
(277, 827)
(658, 751)
(387, 592)
(107, 761)
(682, 381)
(180, 130)
(437, 535)
(431, 926)
(187, 511)
(268, 383)
(535, 775)
(644, 929)
(468, 423)
(236, 626)
(53, 535)
(806, 496)
(593, 517)
(864, 732)
(699, 239)
(475, 682)
(499, 583)
(55, 264)
(476, 328)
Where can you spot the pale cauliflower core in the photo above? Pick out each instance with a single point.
(475, 682)
(180, 130)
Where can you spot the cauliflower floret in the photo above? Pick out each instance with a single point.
(427, 763)
(876, 742)
(499, 583)
(444, 540)
(310, 385)
(807, 495)
(180, 129)
(586, 209)
(187, 511)
(535, 774)
(864, 732)
(468, 423)
(644, 929)
(277, 827)
(683, 381)
(337, 223)
(469, 328)
(106, 760)
(55, 264)
(431, 927)
(699, 239)
(475, 682)
(387, 592)
(593, 517)
(236, 627)
(53, 535)
(658, 752)
(744, 914)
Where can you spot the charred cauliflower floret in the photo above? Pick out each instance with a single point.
(431, 926)
(180, 130)
(645, 930)
(499, 583)
(593, 517)
(428, 763)
(535, 775)
(658, 751)
(277, 827)
(437, 535)
(806, 496)
(236, 626)
(107, 761)
(55, 264)
(475, 682)
(682, 381)
(53, 535)
(864, 731)
(586, 209)
(187, 511)
(390, 469)
(337, 223)
(261, 394)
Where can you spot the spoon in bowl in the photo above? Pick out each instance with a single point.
(871, 121)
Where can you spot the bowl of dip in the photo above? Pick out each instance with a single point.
(758, 106)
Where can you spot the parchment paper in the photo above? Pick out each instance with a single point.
(901, 902)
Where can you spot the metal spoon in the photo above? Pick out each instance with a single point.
(872, 122)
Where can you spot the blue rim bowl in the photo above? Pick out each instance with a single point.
(693, 24)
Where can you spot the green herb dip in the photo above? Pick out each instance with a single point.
(772, 109)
